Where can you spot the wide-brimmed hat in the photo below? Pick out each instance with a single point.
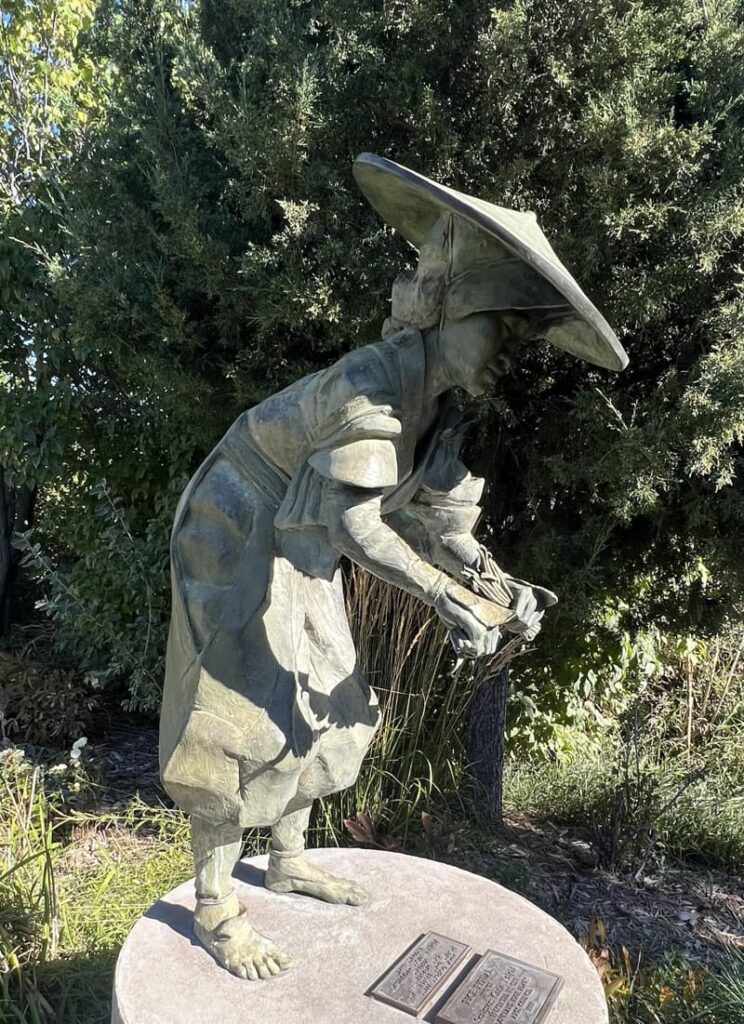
(414, 204)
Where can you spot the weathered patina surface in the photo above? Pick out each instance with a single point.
(265, 707)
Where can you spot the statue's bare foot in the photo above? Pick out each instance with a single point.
(297, 874)
(236, 945)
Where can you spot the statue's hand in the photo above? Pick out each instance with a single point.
(486, 644)
(474, 623)
(528, 607)
(525, 602)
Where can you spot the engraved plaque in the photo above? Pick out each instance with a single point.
(502, 990)
(414, 980)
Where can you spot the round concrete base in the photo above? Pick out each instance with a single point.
(163, 976)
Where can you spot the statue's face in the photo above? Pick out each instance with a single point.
(480, 348)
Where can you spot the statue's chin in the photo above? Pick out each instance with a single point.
(475, 390)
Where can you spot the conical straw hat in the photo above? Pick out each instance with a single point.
(413, 204)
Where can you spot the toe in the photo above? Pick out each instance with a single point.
(251, 972)
(283, 959)
(241, 971)
(263, 970)
(272, 965)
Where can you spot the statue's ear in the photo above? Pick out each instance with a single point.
(417, 298)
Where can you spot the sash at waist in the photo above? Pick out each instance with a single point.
(254, 466)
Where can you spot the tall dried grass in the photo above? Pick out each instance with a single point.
(418, 753)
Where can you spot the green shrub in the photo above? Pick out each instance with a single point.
(215, 248)
(640, 804)
(110, 604)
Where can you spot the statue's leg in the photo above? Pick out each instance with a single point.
(220, 920)
(290, 871)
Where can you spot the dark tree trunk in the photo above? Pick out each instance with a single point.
(25, 506)
(17, 506)
(486, 736)
(5, 550)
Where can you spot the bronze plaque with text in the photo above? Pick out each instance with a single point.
(502, 990)
(412, 982)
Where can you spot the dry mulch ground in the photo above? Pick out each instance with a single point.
(129, 758)
(683, 906)
(699, 910)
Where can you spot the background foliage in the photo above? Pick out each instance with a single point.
(208, 246)
(51, 95)
(181, 236)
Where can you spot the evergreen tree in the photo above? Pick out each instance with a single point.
(50, 95)
(224, 250)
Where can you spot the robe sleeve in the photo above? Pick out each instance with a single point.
(354, 433)
(358, 450)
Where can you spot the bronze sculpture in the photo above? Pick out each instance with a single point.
(265, 708)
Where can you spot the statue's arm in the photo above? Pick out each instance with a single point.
(439, 528)
(449, 545)
(356, 528)
(439, 523)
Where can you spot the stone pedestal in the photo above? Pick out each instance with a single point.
(163, 976)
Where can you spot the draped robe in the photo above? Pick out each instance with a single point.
(265, 706)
